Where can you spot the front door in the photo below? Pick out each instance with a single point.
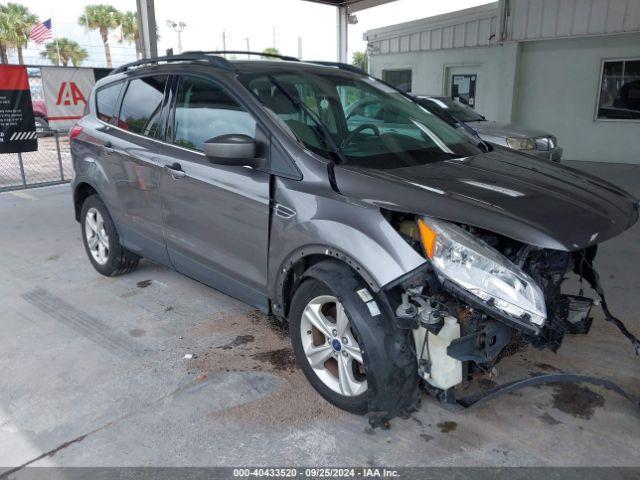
(216, 217)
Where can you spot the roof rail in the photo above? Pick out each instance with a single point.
(243, 52)
(341, 66)
(183, 57)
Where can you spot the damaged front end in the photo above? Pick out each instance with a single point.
(482, 296)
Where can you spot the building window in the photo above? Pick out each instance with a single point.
(619, 90)
(401, 79)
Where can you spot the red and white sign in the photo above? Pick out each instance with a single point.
(17, 127)
(66, 93)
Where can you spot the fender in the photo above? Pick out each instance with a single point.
(77, 184)
(78, 181)
(329, 226)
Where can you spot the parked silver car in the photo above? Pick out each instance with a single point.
(509, 135)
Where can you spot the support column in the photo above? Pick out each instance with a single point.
(343, 17)
(147, 23)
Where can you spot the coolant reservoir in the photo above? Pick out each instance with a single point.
(446, 372)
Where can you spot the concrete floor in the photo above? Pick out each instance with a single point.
(94, 374)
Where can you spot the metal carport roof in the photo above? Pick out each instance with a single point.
(352, 5)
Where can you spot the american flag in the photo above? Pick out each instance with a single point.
(41, 32)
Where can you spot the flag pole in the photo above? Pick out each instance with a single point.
(55, 39)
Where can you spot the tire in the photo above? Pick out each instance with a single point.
(105, 253)
(42, 127)
(389, 367)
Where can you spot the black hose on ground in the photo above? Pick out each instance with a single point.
(585, 270)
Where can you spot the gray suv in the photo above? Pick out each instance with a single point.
(398, 258)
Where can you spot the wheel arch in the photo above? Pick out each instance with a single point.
(81, 192)
(292, 270)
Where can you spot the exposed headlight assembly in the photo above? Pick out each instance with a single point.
(482, 271)
(518, 143)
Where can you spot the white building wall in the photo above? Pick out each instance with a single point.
(495, 66)
(538, 63)
(557, 90)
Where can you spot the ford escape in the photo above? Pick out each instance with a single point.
(398, 256)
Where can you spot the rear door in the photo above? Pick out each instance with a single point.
(134, 166)
(216, 217)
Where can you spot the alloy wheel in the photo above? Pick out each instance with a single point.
(96, 235)
(331, 347)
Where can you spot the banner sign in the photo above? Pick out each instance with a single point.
(17, 126)
(66, 92)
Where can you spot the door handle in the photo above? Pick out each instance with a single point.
(175, 170)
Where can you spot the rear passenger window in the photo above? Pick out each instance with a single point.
(106, 102)
(142, 106)
(204, 111)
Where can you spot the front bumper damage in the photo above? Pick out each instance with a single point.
(485, 346)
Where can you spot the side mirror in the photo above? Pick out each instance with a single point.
(233, 149)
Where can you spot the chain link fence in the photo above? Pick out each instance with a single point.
(50, 165)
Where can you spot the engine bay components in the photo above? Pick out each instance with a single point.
(482, 297)
(434, 364)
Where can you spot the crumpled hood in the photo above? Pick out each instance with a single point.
(499, 129)
(532, 201)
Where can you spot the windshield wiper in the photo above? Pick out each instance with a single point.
(323, 129)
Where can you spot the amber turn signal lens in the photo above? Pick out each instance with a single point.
(428, 238)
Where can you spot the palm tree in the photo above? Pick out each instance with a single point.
(103, 18)
(360, 60)
(16, 21)
(64, 51)
(271, 51)
(3, 29)
(131, 31)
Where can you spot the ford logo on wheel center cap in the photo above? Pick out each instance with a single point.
(337, 346)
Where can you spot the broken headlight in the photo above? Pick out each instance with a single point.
(481, 270)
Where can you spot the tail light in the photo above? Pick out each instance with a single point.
(75, 131)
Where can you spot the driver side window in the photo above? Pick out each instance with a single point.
(204, 111)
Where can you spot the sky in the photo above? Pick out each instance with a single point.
(263, 23)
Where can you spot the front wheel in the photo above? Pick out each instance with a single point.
(348, 347)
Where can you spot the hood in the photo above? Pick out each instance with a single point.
(533, 201)
(499, 129)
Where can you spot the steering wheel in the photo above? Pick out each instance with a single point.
(359, 129)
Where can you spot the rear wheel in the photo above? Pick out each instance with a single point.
(101, 240)
(348, 348)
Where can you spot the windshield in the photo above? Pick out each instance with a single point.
(458, 110)
(357, 119)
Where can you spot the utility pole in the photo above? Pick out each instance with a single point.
(274, 36)
(248, 48)
(177, 27)
(224, 40)
(147, 26)
(299, 47)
